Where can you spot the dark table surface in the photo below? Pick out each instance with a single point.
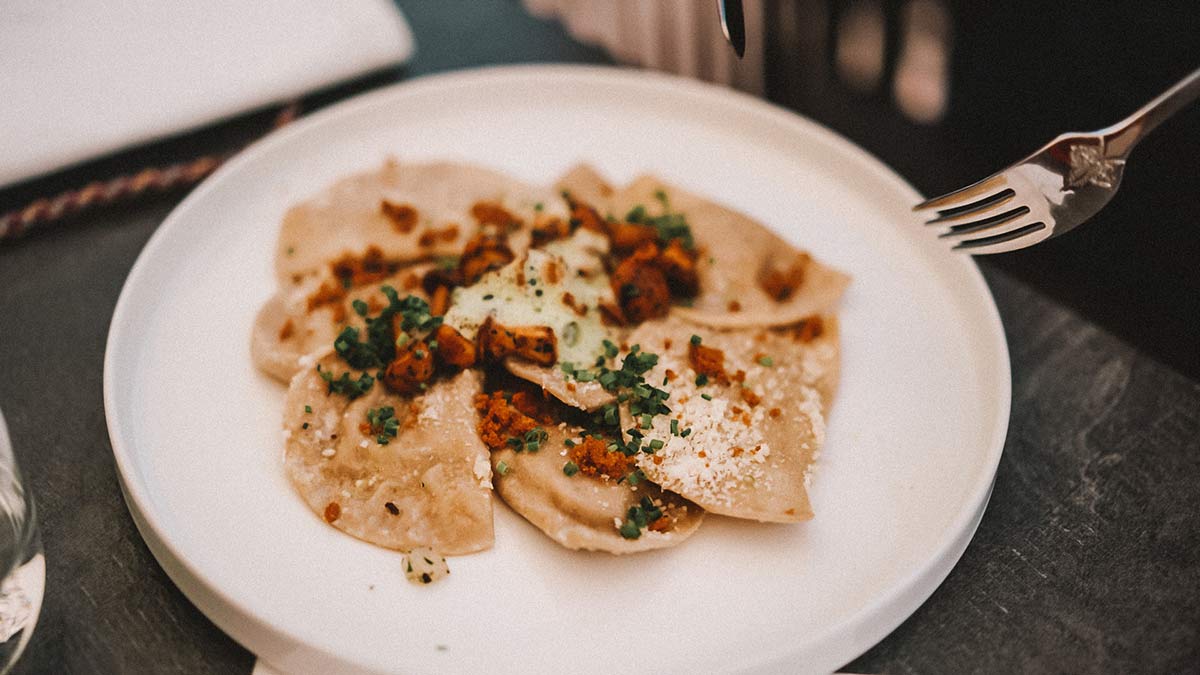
(1088, 558)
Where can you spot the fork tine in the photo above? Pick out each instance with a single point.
(962, 194)
(1002, 242)
(984, 223)
(990, 230)
(986, 204)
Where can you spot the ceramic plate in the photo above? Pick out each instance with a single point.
(913, 440)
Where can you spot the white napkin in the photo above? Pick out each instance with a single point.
(82, 78)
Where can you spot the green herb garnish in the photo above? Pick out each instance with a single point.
(345, 386)
(379, 347)
(570, 468)
(383, 423)
(669, 225)
(610, 349)
(639, 517)
(531, 441)
(610, 414)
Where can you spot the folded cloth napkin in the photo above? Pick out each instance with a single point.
(83, 78)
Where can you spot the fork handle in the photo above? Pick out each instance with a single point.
(1120, 138)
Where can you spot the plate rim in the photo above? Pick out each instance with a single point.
(862, 629)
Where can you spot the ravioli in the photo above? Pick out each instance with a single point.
(570, 480)
(743, 431)
(290, 327)
(428, 486)
(740, 261)
(409, 211)
(583, 511)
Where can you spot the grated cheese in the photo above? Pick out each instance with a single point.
(728, 449)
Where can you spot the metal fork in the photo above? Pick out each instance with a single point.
(1055, 189)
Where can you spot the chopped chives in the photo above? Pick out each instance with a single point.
(570, 468)
(706, 397)
(502, 468)
(610, 349)
(766, 361)
(696, 339)
(308, 408)
(630, 530)
(610, 414)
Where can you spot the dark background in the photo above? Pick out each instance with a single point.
(1022, 73)
(1086, 560)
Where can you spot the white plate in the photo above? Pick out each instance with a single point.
(913, 441)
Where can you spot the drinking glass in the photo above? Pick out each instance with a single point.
(22, 565)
